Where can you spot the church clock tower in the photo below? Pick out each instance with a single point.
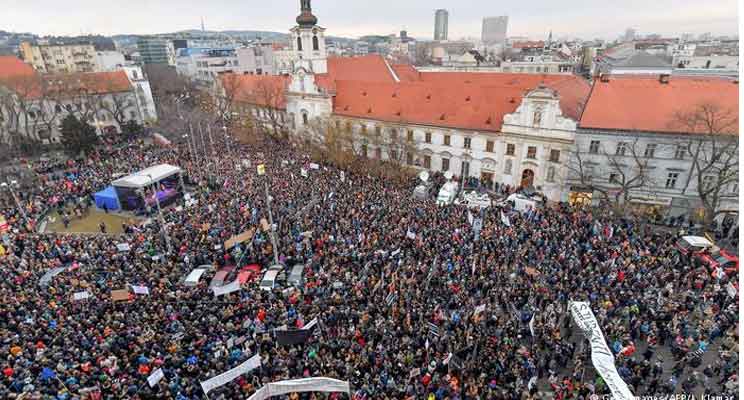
(308, 41)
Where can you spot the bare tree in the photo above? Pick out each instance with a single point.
(268, 94)
(616, 176)
(713, 146)
(18, 97)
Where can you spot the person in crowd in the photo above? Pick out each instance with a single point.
(409, 304)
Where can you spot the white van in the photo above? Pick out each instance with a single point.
(270, 277)
(447, 194)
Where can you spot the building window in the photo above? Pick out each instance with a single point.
(671, 181)
(551, 174)
(445, 164)
(428, 137)
(427, 162)
(338, 125)
(532, 152)
(466, 143)
(132, 115)
(594, 147)
(393, 155)
(409, 158)
(348, 126)
(507, 167)
(378, 130)
(650, 150)
(489, 146)
(378, 153)
(679, 154)
(410, 136)
(364, 150)
(299, 44)
(622, 147)
(446, 140)
(394, 134)
(735, 188)
(510, 149)
(614, 178)
(315, 43)
(304, 118)
(555, 155)
(364, 129)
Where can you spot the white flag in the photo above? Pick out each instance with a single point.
(532, 325)
(505, 219)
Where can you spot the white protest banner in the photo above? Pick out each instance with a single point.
(314, 166)
(228, 376)
(731, 289)
(479, 309)
(410, 235)
(233, 286)
(140, 289)
(303, 172)
(81, 295)
(123, 247)
(310, 324)
(44, 281)
(602, 358)
(505, 220)
(155, 377)
(301, 385)
(343, 176)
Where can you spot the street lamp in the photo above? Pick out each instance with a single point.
(261, 170)
(227, 139)
(160, 214)
(12, 193)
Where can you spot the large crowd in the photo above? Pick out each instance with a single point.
(409, 303)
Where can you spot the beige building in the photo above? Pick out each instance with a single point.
(60, 58)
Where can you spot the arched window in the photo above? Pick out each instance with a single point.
(299, 44)
(315, 43)
(304, 118)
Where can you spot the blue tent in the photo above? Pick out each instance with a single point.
(108, 197)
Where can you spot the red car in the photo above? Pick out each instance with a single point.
(249, 273)
(221, 276)
(718, 258)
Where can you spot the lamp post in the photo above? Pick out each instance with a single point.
(12, 193)
(160, 215)
(261, 170)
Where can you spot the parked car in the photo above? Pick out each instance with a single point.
(270, 277)
(221, 276)
(249, 273)
(715, 258)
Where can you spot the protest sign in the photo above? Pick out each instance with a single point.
(230, 375)
(155, 377)
(140, 289)
(120, 295)
(81, 295)
(237, 239)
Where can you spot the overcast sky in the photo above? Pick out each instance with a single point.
(352, 18)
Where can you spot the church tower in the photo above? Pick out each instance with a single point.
(308, 41)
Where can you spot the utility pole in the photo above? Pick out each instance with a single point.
(261, 170)
(18, 203)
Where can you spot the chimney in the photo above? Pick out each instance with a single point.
(664, 78)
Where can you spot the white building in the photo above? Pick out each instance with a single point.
(109, 60)
(36, 104)
(256, 59)
(203, 65)
(515, 130)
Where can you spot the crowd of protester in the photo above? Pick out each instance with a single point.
(410, 304)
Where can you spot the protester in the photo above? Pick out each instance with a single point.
(410, 305)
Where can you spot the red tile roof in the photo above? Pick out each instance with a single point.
(642, 103)
(365, 88)
(13, 66)
(457, 100)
